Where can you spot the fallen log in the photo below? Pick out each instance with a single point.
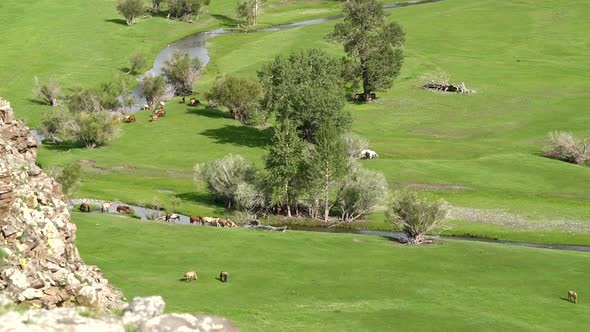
(266, 227)
(448, 87)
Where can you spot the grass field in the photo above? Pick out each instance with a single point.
(527, 59)
(299, 281)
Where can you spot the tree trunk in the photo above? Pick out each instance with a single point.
(365, 74)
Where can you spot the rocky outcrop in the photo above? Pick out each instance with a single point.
(42, 266)
(142, 315)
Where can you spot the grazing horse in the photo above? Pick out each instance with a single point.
(129, 118)
(162, 104)
(191, 275)
(368, 154)
(194, 102)
(147, 106)
(105, 206)
(572, 296)
(123, 209)
(84, 207)
(172, 217)
(212, 220)
(160, 113)
(197, 219)
(223, 276)
(183, 100)
(155, 118)
(227, 223)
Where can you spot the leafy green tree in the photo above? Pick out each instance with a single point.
(53, 125)
(306, 88)
(186, 8)
(239, 94)
(249, 11)
(374, 46)
(156, 5)
(137, 62)
(153, 88)
(182, 72)
(416, 216)
(283, 165)
(131, 10)
(327, 163)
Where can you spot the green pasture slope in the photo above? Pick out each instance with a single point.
(297, 281)
(527, 59)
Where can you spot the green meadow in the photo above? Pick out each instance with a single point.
(300, 281)
(483, 153)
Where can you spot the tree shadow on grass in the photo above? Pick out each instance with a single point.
(38, 102)
(63, 147)
(210, 112)
(117, 21)
(240, 136)
(201, 198)
(226, 21)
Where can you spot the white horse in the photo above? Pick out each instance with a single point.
(105, 206)
(368, 154)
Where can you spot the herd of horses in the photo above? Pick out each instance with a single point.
(169, 217)
(159, 111)
(192, 275)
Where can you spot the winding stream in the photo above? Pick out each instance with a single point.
(145, 212)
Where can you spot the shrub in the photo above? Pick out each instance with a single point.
(181, 72)
(137, 62)
(131, 9)
(416, 216)
(69, 177)
(92, 129)
(153, 88)
(223, 176)
(360, 191)
(354, 144)
(239, 94)
(565, 146)
(49, 92)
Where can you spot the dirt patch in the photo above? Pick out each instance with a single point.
(123, 167)
(87, 162)
(357, 240)
(437, 186)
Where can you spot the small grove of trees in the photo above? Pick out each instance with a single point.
(374, 47)
(239, 94)
(249, 11)
(153, 88)
(131, 10)
(566, 147)
(416, 216)
(182, 72)
(49, 91)
(305, 88)
(137, 61)
(185, 9)
(360, 191)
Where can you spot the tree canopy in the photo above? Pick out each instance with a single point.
(306, 88)
(131, 10)
(374, 47)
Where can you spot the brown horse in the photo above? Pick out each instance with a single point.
(183, 99)
(191, 275)
(160, 113)
(227, 223)
(223, 276)
(572, 296)
(194, 102)
(129, 119)
(123, 209)
(155, 118)
(196, 219)
(84, 207)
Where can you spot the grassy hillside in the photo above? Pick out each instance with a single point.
(300, 281)
(526, 59)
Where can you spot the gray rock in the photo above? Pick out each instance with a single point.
(142, 309)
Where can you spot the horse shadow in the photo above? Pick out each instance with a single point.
(240, 135)
(38, 102)
(117, 21)
(565, 299)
